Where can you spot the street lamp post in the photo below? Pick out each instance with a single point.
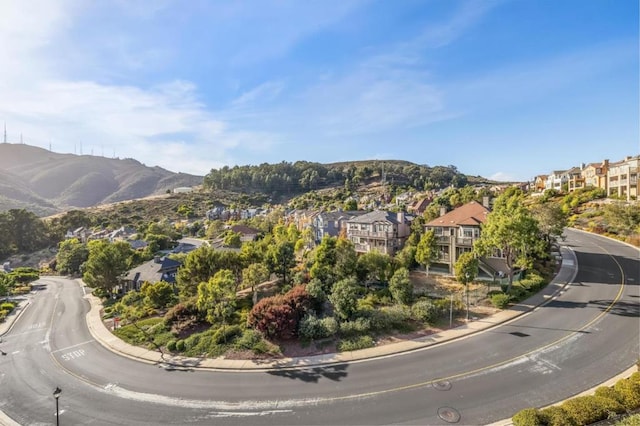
(467, 288)
(56, 395)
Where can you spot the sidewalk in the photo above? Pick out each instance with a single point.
(100, 332)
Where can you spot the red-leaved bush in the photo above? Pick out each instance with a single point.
(278, 316)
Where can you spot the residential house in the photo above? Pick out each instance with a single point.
(247, 233)
(420, 206)
(138, 245)
(122, 233)
(81, 234)
(557, 179)
(576, 179)
(332, 223)
(539, 183)
(382, 231)
(153, 271)
(215, 213)
(595, 175)
(622, 178)
(184, 248)
(457, 230)
(302, 218)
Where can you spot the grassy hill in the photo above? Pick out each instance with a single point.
(47, 182)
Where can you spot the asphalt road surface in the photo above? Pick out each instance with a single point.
(587, 335)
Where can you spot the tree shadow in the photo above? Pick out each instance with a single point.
(180, 364)
(313, 375)
(622, 308)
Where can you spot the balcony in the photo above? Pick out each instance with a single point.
(371, 234)
(465, 241)
(443, 239)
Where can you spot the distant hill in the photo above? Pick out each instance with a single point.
(47, 182)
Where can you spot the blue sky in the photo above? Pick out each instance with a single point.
(505, 89)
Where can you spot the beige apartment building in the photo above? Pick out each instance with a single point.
(622, 178)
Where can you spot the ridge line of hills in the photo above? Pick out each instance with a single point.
(48, 183)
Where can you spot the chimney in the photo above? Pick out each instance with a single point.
(485, 201)
(401, 218)
(443, 210)
(156, 259)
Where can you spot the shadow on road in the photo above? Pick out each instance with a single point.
(312, 375)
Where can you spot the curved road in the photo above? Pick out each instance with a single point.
(583, 337)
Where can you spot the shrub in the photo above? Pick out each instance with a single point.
(227, 334)
(312, 327)
(355, 327)
(278, 316)
(253, 341)
(609, 392)
(7, 306)
(21, 290)
(589, 409)
(527, 417)
(180, 346)
(362, 342)
(182, 311)
(517, 292)
(533, 282)
(392, 318)
(171, 346)
(556, 416)
(629, 393)
(425, 310)
(500, 300)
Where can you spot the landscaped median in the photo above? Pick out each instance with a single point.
(606, 403)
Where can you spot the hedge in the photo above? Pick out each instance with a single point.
(624, 396)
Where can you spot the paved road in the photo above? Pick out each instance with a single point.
(586, 335)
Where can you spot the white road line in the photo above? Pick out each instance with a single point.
(72, 346)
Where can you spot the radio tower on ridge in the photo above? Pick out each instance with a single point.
(5, 132)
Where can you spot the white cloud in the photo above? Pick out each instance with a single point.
(165, 125)
(503, 177)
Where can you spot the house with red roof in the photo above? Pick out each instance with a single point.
(457, 230)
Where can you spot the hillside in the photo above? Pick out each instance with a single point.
(47, 182)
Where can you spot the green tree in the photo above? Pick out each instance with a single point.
(346, 259)
(199, 265)
(623, 219)
(159, 295)
(551, 219)
(71, 255)
(350, 205)
(427, 250)
(281, 258)
(401, 287)
(466, 270)
(343, 297)
(466, 267)
(324, 262)
(217, 297)
(232, 239)
(510, 229)
(5, 284)
(252, 275)
(374, 266)
(106, 263)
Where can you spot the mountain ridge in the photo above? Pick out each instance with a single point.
(47, 182)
